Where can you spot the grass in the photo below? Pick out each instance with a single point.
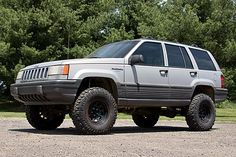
(227, 112)
(12, 115)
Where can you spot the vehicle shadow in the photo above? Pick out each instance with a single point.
(115, 130)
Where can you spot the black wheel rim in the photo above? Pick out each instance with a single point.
(43, 113)
(47, 113)
(145, 117)
(98, 112)
(204, 112)
(43, 116)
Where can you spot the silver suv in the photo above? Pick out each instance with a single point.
(146, 78)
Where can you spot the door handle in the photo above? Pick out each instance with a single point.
(193, 73)
(163, 72)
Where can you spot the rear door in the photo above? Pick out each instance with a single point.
(181, 73)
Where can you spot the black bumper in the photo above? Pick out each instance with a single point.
(220, 94)
(53, 92)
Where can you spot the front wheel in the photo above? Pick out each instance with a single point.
(95, 111)
(145, 119)
(201, 113)
(45, 117)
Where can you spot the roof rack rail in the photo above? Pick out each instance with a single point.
(149, 37)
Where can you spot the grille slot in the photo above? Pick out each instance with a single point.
(35, 74)
(33, 98)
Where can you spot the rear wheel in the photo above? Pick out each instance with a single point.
(201, 113)
(45, 117)
(145, 119)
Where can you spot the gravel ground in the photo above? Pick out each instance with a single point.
(169, 138)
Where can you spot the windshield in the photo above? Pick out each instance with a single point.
(114, 50)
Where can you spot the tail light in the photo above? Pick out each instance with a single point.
(222, 78)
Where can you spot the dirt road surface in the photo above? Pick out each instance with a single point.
(168, 139)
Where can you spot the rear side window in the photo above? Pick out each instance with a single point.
(203, 60)
(187, 60)
(175, 57)
(178, 57)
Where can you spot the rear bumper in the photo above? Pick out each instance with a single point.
(220, 94)
(53, 92)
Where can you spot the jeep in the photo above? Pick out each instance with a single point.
(143, 77)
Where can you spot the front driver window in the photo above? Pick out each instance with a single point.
(152, 53)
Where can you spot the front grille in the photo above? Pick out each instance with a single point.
(35, 74)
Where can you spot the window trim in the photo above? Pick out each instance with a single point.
(155, 42)
(179, 46)
(209, 55)
(184, 57)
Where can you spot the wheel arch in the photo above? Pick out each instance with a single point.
(104, 82)
(205, 89)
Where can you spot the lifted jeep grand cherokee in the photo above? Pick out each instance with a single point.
(148, 78)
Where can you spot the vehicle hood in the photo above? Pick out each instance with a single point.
(79, 61)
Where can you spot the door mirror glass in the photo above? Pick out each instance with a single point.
(135, 59)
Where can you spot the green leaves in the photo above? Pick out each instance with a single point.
(45, 30)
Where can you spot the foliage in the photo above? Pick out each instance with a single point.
(226, 104)
(230, 82)
(37, 31)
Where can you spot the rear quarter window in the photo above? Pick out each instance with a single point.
(203, 60)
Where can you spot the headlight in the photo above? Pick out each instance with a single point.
(58, 70)
(19, 75)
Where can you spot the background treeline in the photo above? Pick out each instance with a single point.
(33, 31)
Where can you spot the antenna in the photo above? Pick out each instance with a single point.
(68, 44)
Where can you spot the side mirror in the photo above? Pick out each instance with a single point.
(135, 59)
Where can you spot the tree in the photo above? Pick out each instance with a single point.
(44, 30)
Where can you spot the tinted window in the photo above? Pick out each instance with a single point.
(114, 50)
(203, 60)
(188, 63)
(175, 57)
(152, 53)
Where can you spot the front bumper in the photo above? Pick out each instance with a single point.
(53, 92)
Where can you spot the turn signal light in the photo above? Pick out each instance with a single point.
(58, 70)
(66, 69)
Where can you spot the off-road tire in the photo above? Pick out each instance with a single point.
(43, 118)
(145, 119)
(201, 113)
(94, 103)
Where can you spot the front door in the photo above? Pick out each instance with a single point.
(149, 80)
